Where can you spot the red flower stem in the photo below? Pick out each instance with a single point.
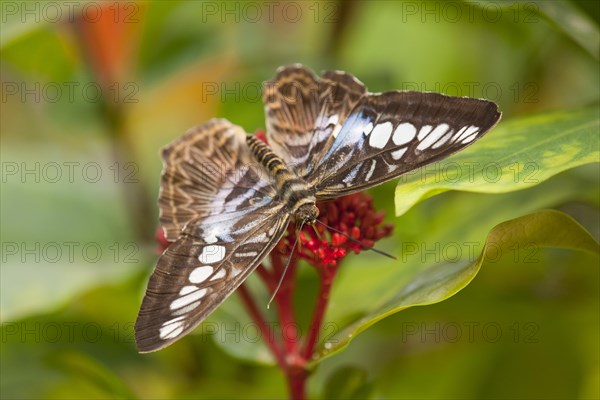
(327, 275)
(295, 366)
(257, 317)
(266, 277)
(283, 299)
(296, 379)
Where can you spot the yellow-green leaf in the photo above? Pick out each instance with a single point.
(547, 228)
(518, 154)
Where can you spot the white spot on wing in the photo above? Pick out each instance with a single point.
(435, 134)
(187, 309)
(424, 131)
(187, 289)
(211, 238)
(367, 129)
(258, 238)
(443, 139)
(322, 121)
(463, 134)
(352, 174)
(201, 274)
(212, 254)
(170, 331)
(380, 135)
(187, 299)
(470, 138)
(472, 129)
(370, 173)
(173, 321)
(247, 254)
(220, 274)
(396, 155)
(404, 133)
(459, 133)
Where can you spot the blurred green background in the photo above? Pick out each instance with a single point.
(92, 90)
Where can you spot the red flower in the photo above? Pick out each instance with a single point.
(161, 241)
(353, 215)
(109, 35)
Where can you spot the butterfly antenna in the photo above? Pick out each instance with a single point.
(316, 231)
(286, 266)
(357, 241)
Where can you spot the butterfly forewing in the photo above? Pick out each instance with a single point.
(197, 273)
(342, 139)
(391, 133)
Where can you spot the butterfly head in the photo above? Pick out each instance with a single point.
(307, 213)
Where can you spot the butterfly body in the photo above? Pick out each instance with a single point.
(294, 191)
(226, 198)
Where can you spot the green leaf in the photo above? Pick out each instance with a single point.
(237, 334)
(563, 14)
(544, 229)
(516, 155)
(93, 377)
(43, 265)
(348, 383)
(574, 23)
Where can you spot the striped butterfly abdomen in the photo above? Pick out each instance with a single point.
(294, 191)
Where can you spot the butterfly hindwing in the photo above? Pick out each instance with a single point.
(303, 110)
(209, 170)
(220, 208)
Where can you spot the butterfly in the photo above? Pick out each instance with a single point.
(226, 198)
